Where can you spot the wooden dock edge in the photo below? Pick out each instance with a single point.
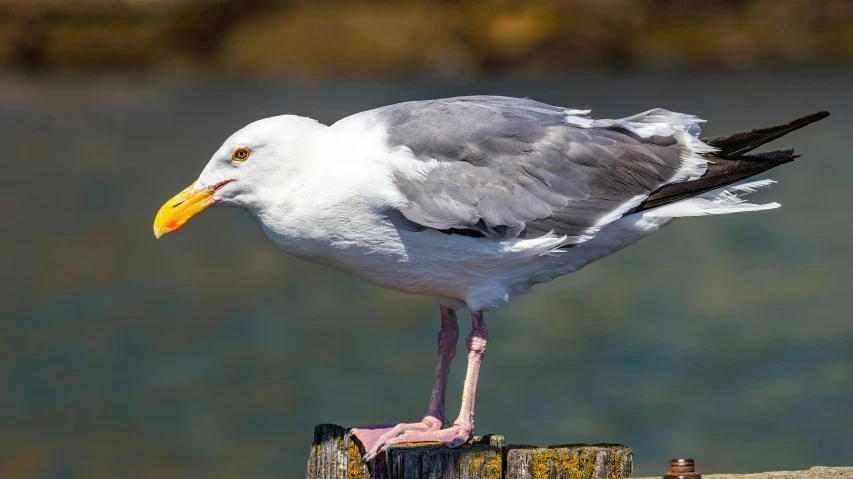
(336, 454)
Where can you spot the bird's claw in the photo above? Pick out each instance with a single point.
(370, 455)
(452, 437)
(376, 438)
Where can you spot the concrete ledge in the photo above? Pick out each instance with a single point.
(817, 472)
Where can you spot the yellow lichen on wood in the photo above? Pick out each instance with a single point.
(572, 462)
(494, 467)
(355, 467)
(541, 463)
(413, 445)
(618, 459)
(491, 468)
(587, 458)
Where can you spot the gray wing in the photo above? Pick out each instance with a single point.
(516, 168)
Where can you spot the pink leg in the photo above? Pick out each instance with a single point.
(447, 337)
(461, 430)
(374, 438)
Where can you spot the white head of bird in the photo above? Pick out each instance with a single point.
(253, 165)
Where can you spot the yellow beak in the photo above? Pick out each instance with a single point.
(181, 208)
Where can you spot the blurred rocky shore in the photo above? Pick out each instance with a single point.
(441, 38)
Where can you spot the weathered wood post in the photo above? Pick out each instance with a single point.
(336, 454)
(573, 461)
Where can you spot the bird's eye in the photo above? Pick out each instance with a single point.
(240, 154)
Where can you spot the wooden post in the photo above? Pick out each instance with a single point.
(576, 461)
(336, 454)
(479, 458)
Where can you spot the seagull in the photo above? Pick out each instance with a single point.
(472, 200)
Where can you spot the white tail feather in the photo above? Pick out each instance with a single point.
(721, 201)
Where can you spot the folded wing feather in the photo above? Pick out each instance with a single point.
(507, 168)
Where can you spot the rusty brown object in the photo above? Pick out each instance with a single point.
(682, 469)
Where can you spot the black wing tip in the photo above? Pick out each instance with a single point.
(808, 119)
(804, 121)
(739, 143)
(770, 158)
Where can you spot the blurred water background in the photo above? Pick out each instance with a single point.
(210, 353)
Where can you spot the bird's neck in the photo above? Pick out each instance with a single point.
(336, 200)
